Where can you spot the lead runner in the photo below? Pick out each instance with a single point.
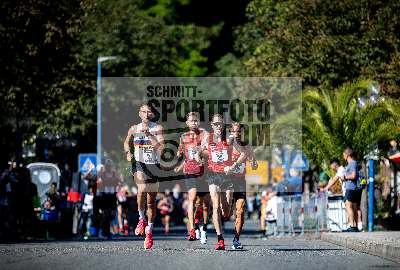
(148, 141)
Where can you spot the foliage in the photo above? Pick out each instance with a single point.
(326, 43)
(333, 120)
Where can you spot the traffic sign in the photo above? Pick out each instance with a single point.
(86, 162)
(258, 176)
(299, 161)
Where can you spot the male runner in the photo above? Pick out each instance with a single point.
(240, 153)
(148, 141)
(219, 157)
(192, 144)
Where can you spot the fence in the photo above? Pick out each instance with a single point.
(297, 214)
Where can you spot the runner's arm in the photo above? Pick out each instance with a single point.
(331, 182)
(158, 139)
(127, 148)
(204, 145)
(252, 158)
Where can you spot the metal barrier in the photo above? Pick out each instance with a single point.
(337, 217)
(301, 213)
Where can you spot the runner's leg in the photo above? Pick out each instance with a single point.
(226, 204)
(216, 203)
(240, 203)
(191, 207)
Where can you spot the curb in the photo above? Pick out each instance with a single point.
(364, 245)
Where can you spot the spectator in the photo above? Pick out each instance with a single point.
(264, 200)
(122, 206)
(108, 180)
(65, 179)
(393, 151)
(271, 213)
(87, 213)
(166, 206)
(53, 197)
(250, 202)
(295, 184)
(352, 195)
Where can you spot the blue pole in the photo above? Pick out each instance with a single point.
(99, 135)
(371, 196)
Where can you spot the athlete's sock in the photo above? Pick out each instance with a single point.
(236, 235)
(220, 237)
(141, 214)
(149, 227)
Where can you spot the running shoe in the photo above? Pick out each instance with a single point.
(126, 229)
(192, 235)
(236, 244)
(203, 236)
(351, 229)
(148, 241)
(220, 245)
(140, 227)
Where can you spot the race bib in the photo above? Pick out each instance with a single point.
(148, 156)
(145, 155)
(219, 156)
(193, 154)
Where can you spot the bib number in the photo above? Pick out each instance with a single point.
(145, 155)
(219, 156)
(193, 154)
(148, 155)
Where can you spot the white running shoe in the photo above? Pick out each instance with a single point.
(197, 234)
(203, 236)
(236, 244)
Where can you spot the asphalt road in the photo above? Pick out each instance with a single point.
(173, 252)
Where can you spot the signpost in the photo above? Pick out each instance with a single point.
(299, 161)
(87, 162)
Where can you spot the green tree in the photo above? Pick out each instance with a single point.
(333, 120)
(326, 43)
(36, 39)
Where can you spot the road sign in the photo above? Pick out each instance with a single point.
(86, 162)
(278, 174)
(258, 176)
(299, 161)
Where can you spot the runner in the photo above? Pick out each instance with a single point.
(122, 207)
(165, 206)
(192, 144)
(148, 141)
(240, 153)
(219, 157)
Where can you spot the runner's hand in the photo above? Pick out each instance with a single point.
(229, 169)
(129, 156)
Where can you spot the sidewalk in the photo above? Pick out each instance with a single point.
(382, 244)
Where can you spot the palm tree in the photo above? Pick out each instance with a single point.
(333, 120)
